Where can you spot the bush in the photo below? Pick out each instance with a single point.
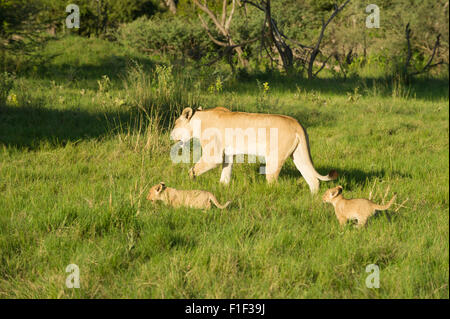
(174, 36)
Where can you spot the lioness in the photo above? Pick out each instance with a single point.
(189, 198)
(229, 133)
(359, 208)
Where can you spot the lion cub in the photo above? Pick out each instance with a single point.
(345, 209)
(178, 198)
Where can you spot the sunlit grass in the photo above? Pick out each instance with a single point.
(75, 167)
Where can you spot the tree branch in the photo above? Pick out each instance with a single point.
(429, 65)
(408, 43)
(316, 49)
(223, 27)
(323, 65)
(205, 26)
(409, 54)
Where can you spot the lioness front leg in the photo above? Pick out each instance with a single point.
(201, 167)
(227, 168)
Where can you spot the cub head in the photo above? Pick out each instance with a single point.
(156, 191)
(331, 193)
(183, 131)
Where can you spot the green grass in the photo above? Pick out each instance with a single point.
(75, 165)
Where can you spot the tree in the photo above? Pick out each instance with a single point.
(274, 35)
(428, 65)
(223, 26)
(316, 49)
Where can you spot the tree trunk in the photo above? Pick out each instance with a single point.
(284, 51)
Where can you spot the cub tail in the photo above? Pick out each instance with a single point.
(384, 207)
(214, 200)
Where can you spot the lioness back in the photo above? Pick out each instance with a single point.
(232, 119)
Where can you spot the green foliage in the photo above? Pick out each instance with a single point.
(6, 84)
(347, 35)
(124, 11)
(14, 13)
(96, 17)
(100, 17)
(22, 34)
(181, 38)
(177, 37)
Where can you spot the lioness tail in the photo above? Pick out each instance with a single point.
(332, 175)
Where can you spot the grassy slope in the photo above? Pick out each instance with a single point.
(72, 189)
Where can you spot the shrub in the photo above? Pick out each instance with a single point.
(175, 36)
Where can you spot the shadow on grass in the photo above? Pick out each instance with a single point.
(311, 118)
(390, 215)
(29, 127)
(421, 87)
(351, 176)
(113, 66)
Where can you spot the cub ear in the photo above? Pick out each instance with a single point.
(199, 108)
(336, 191)
(187, 113)
(161, 186)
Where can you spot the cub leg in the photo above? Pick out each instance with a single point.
(361, 221)
(342, 220)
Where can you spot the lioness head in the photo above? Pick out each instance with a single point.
(183, 130)
(331, 193)
(155, 192)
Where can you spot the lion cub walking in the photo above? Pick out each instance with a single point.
(178, 198)
(345, 209)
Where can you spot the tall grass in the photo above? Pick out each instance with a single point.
(160, 96)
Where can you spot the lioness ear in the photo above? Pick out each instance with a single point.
(187, 113)
(199, 108)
